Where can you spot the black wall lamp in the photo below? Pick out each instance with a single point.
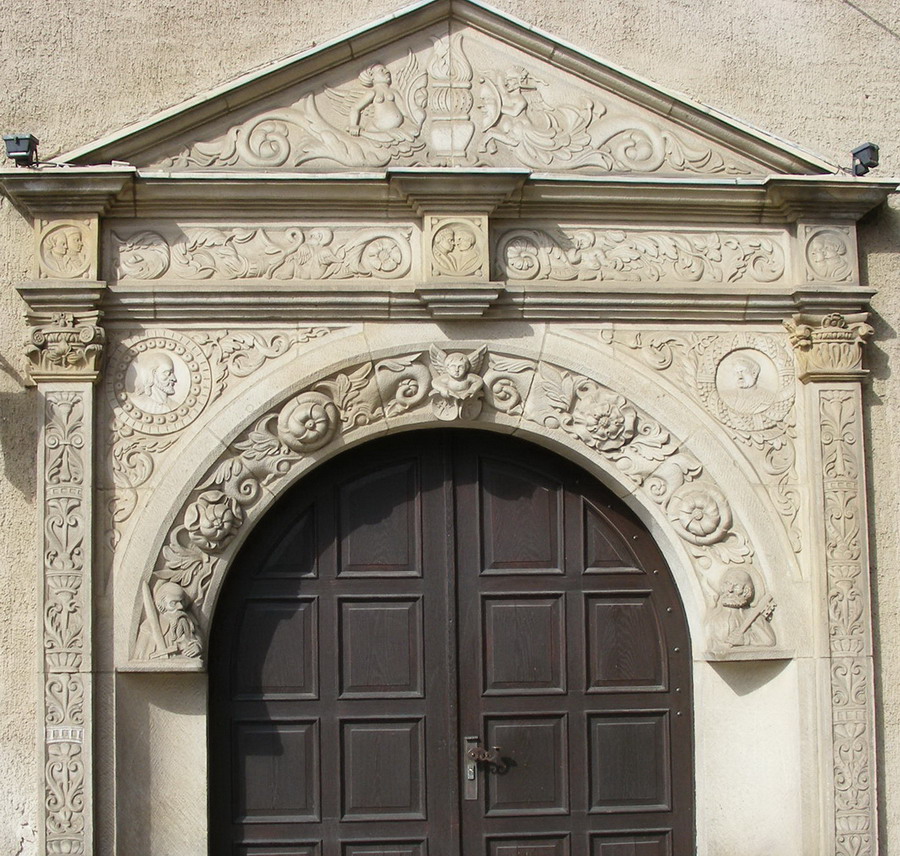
(21, 149)
(865, 157)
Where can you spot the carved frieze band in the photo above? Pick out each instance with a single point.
(66, 604)
(848, 623)
(640, 255)
(278, 252)
(450, 386)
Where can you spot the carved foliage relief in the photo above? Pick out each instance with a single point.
(851, 670)
(275, 253)
(65, 544)
(454, 385)
(746, 382)
(638, 255)
(159, 381)
(458, 99)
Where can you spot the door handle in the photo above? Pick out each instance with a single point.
(490, 757)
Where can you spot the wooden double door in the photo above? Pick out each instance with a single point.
(449, 643)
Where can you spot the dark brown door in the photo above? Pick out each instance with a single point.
(434, 593)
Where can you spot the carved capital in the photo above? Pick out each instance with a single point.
(829, 347)
(64, 341)
(65, 347)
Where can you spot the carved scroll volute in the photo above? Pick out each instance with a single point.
(829, 347)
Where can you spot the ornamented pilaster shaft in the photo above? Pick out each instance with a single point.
(849, 622)
(65, 502)
(829, 352)
(63, 349)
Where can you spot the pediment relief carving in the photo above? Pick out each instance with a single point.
(449, 96)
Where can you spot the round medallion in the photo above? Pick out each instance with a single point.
(748, 383)
(159, 382)
(64, 251)
(455, 249)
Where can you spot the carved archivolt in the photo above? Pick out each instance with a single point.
(456, 386)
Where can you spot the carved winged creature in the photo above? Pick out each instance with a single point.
(457, 385)
(384, 112)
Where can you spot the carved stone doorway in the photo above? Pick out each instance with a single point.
(414, 604)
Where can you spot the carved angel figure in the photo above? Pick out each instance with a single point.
(457, 387)
(735, 621)
(516, 115)
(169, 629)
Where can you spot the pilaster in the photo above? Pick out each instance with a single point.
(829, 356)
(63, 348)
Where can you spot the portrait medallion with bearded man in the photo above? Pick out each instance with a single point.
(159, 382)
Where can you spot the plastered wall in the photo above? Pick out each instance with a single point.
(822, 73)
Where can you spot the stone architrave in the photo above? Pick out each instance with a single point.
(830, 353)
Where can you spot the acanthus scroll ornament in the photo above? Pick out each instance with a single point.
(457, 385)
(848, 619)
(66, 583)
(746, 381)
(829, 347)
(282, 253)
(620, 255)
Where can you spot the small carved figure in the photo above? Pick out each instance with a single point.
(155, 383)
(516, 116)
(736, 621)
(457, 385)
(170, 629)
(382, 112)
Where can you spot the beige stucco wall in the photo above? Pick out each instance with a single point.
(822, 73)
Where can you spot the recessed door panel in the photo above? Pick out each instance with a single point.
(629, 761)
(379, 523)
(277, 772)
(382, 769)
(287, 664)
(536, 778)
(524, 644)
(381, 647)
(624, 643)
(521, 518)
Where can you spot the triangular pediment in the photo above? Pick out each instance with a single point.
(448, 83)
